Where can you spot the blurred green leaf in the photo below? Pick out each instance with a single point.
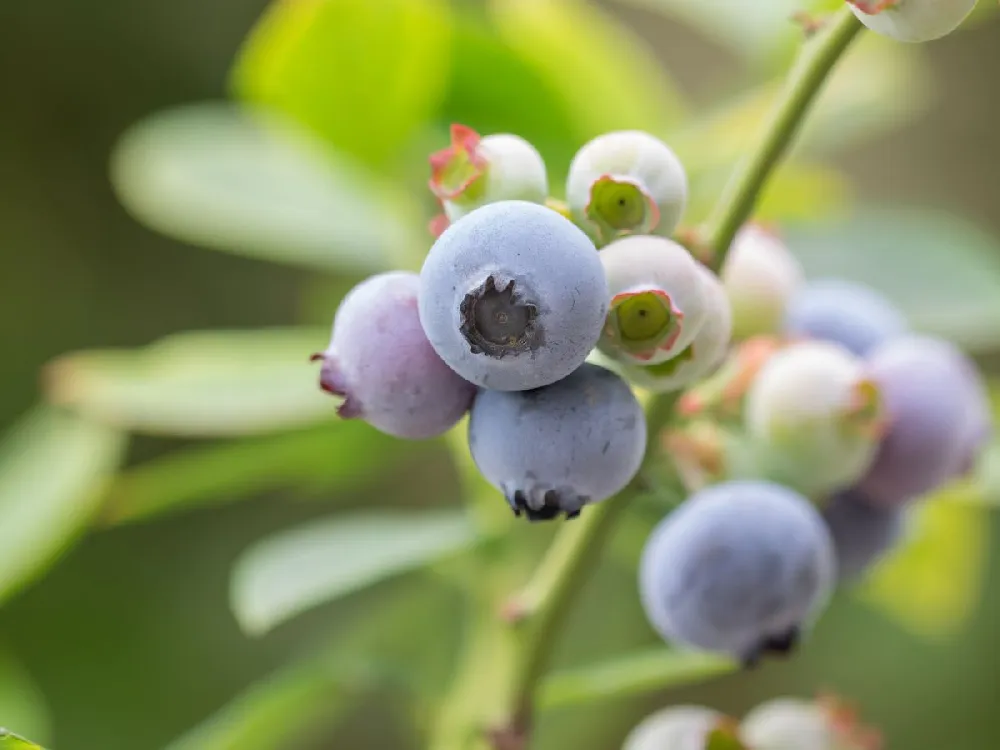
(943, 272)
(365, 76)
(9, 741)
(633, 674)
(22, 704)
(875, 89)
(337, 456)
(253, 184)
(199, 383)
(53, 469)
(570, 43)
(296, 570)
(373, 649)
(932, 582)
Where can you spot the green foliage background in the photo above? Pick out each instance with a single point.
(171, 473)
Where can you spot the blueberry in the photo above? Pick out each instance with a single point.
(676, 728)
(848, 314)
(936, 416)
(626, 182)
(474, 171)
(701, 357)
(912, 20)
(814, 416)
(554, 449)
(381, 362)
(795, 724)
(862, 533)
(760, 276)
(659, 299)
(739, 568)
(513, 296)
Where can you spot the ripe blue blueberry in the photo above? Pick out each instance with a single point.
(739, 568)
(935, 411)
(760, 276)
(846, 313)
(513, 296)
(862, 533)
(912, 20)
(382, 364)
(555, 449)
(659, 299)
(674, 728)
(626, 183)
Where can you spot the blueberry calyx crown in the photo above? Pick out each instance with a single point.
(496, 322)
(545, 505)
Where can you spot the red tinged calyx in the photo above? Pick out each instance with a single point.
(332, 380)
(873, 7)
(843, 719)
(457, 168)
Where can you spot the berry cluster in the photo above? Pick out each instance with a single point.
(512, 300)
(826, 723)
(809, 418)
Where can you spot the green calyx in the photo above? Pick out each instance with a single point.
(619, 206)
(642, 322)
(670, 367)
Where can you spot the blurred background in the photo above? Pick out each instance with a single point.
(129, 639)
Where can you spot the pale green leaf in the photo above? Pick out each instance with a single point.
(333, 457)
(365, 76)
(941, 271)
(10, 741)
(254, 184)
(606, 75)
(53, 469)
(22, 705)
(933, 581)
(631, 675)
(297, 570)
(204, 383)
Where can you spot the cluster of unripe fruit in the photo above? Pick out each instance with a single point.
(826, 723)
(809, 422)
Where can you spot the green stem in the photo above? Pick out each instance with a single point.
(804, 84)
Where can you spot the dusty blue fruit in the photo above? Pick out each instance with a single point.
(739, 568)
(513, 296)
(849, 314)
(382, 364)
(555, 449)
(862, 533)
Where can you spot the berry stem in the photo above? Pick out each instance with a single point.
(804, 83)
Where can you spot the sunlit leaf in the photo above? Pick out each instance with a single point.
(942, 272)
(204, 383)
(604, 72)
(53, 468)
(297, 570)
(22, 705)
(365, 76)
(336, 456)
(10, 741)
(633, 674)
(931, 583)
(254, 184)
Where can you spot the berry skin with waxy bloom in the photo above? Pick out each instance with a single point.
(849, 314)
(675, 728)
(815, 417)
(740, 568)
(626, 182)
(862, 533)
(936, 416)
(380, 361)
(553, 450)
(760, 276)
(659, 300)
(475, 170)
(912, 20)
(701, 357)
(513, 296)
(795, 724)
